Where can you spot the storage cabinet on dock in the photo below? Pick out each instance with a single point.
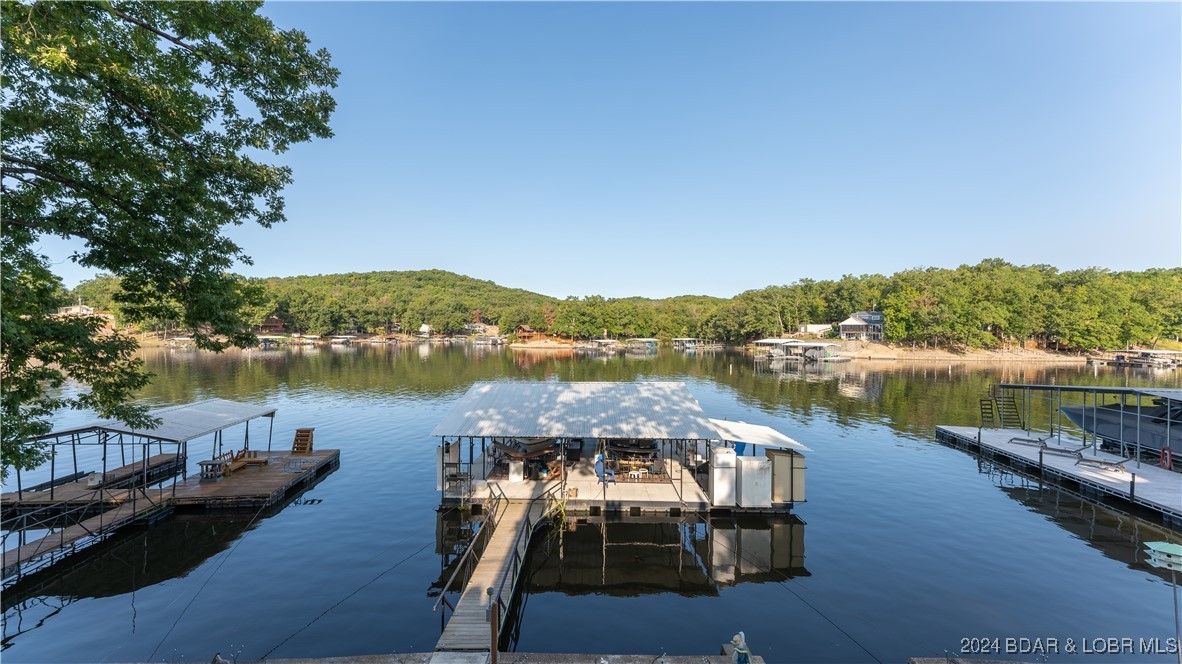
(753, 482)
(722, 477)
(787, 476)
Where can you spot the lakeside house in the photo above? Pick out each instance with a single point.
(76, 310)
(525, 334)
(863, 326)
(84, 310)
(272, 325)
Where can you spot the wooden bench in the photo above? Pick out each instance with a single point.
(217, 467)
(251, 458)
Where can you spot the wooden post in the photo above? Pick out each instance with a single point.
(494, 624)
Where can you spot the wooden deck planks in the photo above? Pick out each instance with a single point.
(78, 491)
(107, 521)
(468, 627)
(256, 484)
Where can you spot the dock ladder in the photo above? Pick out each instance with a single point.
(988, 420)
(1000, 412)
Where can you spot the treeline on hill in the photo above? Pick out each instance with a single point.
(986, 305)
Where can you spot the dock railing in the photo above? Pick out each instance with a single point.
(494, 510)
(92, 517)
(541, 508)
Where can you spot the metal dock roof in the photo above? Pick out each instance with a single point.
(754, 434)
(180, 423)
(649, 410)
(1162, 392)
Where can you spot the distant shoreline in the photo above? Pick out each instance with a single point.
(885, 353)
(860, 353)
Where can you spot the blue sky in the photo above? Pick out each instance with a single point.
(660, 149)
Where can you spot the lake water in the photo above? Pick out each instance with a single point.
(904, 548)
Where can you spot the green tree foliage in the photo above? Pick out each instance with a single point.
(991, 304)
(136, 127)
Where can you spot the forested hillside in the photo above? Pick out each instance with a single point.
(986, 305)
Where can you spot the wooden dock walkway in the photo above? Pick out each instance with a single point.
(1094, 472)
(51, 548)
(468, 628)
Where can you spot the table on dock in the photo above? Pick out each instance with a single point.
(1156, 488)
(678, 491)
(469, 628)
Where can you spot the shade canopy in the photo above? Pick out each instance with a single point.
(754, 434)
(182, 423)
(1172, 393)
(648, 410)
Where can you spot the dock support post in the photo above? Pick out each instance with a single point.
(494, 626)
(1041, 472)
(1133, 487)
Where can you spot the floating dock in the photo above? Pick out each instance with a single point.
(256, 486)
(91, 501)
(1092, 473)
(261, 485)
(538, 450)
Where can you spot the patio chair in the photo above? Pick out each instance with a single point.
(604, 474)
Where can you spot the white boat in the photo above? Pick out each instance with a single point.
(1153, 428)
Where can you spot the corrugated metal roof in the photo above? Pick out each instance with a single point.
(1163, 392)
(755, 434)
(657, 410)
(1172, 393)
(184, 422)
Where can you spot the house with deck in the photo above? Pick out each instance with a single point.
(863, 326)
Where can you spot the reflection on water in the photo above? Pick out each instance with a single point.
(136, 558)
(1117, 536)
(911, 544)
(690, 557)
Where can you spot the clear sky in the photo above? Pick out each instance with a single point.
(660, 149)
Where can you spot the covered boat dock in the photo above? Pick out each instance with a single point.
(105, 475)
(795, 350)
(537, 452)
(650, 441)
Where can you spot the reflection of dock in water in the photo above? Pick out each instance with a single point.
(630, 557)
(689, 556)
(133, 559)
(634, 556)
(1117, 536)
